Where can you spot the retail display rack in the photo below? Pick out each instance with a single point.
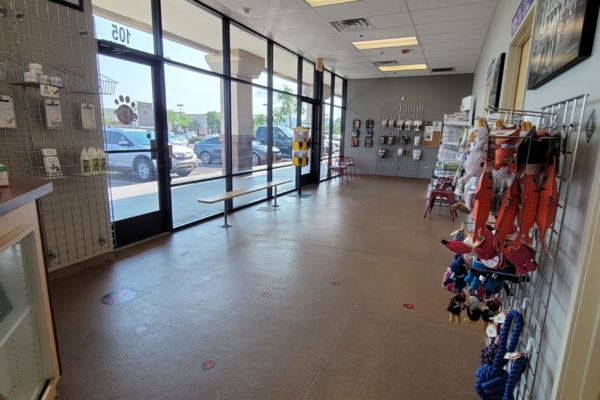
(399, 139)
(76, 213)
(530, 293)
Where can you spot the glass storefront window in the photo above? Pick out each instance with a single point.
(185, 207)
(325, 133)
(199, 42)
(285, 114)
(337, 131)
(339, 91)
(327, 87)
(308, 79)
(195, 122)
(285, 70)
(128, 23)
(248, 56)
(249, 128)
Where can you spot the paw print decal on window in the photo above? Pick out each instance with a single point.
(124, 111)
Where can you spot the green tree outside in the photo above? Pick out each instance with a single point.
(213, 121)
(259, 120)
(287, 109)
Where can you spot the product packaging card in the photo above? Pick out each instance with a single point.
(8, 118)
(53, 114)
(88, 117)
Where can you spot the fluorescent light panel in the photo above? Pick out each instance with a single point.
(406, 67)
(321, 3)
(384, 43)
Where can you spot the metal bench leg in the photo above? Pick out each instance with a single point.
(225, 225)
(275, 198)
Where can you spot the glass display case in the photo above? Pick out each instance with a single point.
(28, 356)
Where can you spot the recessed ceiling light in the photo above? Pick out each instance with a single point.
(406, 67)
(321, 3)
(382, 43)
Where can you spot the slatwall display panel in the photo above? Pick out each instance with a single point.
(75, 216)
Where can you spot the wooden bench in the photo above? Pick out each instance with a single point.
(241, 192)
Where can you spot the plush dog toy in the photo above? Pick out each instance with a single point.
(455, 307)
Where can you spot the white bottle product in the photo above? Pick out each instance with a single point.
(93, 154)
(102, 161)
(84, 160)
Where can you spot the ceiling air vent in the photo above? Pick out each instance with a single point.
(447, 69)
(385, 63)
(352, 25)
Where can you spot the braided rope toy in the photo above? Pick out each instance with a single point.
(492, 381)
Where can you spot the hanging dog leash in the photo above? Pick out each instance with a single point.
(492, 381)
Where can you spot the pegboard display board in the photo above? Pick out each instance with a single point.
(75, 215)
(531, 294)
(397, 130)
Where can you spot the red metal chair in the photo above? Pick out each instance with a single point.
(349, 163)
(443, 191)
(334, 165)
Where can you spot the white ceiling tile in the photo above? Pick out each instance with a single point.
(390, 20)
(473, 11)
(301, 31)
(261, 8)
(453, 37)
(362, 8)
(380, 33)
(454, 53)
(415, 5)
(454, 26)
(365, 76)
(456, 59)
(468, 44)
(287, 19)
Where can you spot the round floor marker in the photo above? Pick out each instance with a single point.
(409, 306)
(266, 295)
(208, 364)
(118, 297)
(336, 283)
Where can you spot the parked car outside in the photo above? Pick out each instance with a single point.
(208, 150)
(120, 142)
(178, 139)
(282, 138)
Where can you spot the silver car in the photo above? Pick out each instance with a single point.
(121, 144)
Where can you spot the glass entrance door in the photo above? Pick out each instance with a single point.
(135, 156)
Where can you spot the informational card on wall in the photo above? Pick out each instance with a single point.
(8, 118)
(53, 114)
(88, 116)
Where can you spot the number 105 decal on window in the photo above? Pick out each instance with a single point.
(120, 34)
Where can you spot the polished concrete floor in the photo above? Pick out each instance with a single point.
(303, 303)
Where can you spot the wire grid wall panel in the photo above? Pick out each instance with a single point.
(531, 295)
(75, 215)
(393, 164)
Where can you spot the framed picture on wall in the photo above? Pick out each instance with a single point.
(493, 82)
(76, 4)
(563, 36)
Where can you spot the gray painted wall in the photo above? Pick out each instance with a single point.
(440, 94)
(583, 78)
